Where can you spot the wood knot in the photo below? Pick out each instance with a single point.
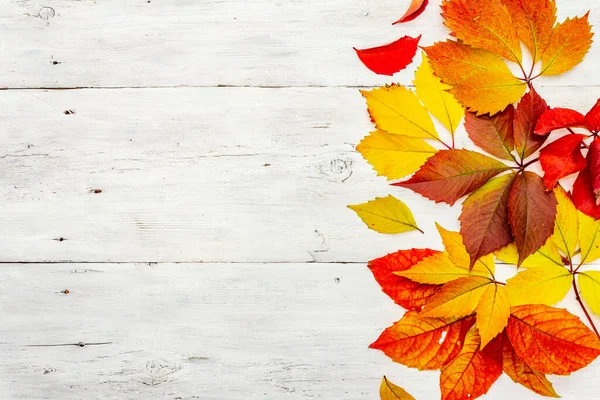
(46, 13)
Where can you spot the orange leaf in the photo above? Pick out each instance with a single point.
(493, 311)
(406, 293)
(522, 373)
(551, 340)
(458, 298)
(415, 9)
(423, 343)
(473, 372)
(483, 24)
(390, 58)
(389, 391)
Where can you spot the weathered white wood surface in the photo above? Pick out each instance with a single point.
(220, 178)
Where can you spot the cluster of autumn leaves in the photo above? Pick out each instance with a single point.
(460, 319)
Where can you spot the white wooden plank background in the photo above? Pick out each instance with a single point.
(221, 135)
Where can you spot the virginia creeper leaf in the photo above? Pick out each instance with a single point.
(386, 215)
(547, 255)
(407, 294)
(483, 24)
(522, 373)
(566, 226)
(484, 219)
(473, 372)
(547, 285)
(589, 238)
(583, 194)
(395, 109)
(394, 156)
(568, 45)
(457, 299)
(423, 343)
(437, 270)
(451, 174)
(562, 158)
(434, 95)
(558, 118)
(527, 114)
(415, 9)
(390, 58)
(454, 245)
(493, 134)
(493, 311)
(589, 284)
(531, 213)
(389, 391)
(594, 167)
(551, 340)
(592, 118)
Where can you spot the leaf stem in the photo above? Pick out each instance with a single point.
(445, 144)
(529, 163)
(578, 298)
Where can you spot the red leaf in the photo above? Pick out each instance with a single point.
(415, 9)
(592, 119)
(390, 58)
(404, 292)
(583, 195)
(562, 158)
(594, 165)
(527, 114)
(531, 213)
(558, 118)
(493, 134)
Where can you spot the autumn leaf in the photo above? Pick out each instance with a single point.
(531, 213)
(415, 9)
(558, 118)
(436, 98)
(569, 43)
(395, 109)
(473, 372)
(437, 270)
(589, 238)
(457, 252)
(484, 220)
(547, 285)
(423, 343)
(522, 373)
(492, 311)
(527, 114)
(592, 118)
(548, 254)
(451, 174)
(562, 158)
(394, 156)
(583, 194)
(494, 134)
(456, 299)
(390, 58)
(406, 293)
(389, 391)
(481, 81)
(566, 226)
(594, 168)
(386, 215)
(551, 340)
(589, 284)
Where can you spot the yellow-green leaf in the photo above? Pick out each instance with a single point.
(454, 244)
(566, 226)
(437, 270)
(389, 391)
(547, 255)
(589, 284)
(547, 285)
(386, 215)
(589, 238)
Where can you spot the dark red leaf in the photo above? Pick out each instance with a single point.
(558, 118)
(562, 158)
(415, 9)
(527, 114)
(583, 194)
(594, 165)
(592, 119)
(390, 58)
(493, 134)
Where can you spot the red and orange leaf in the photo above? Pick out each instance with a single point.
(473, 372)
(452, 174)
(527, 114)
(494, 134)
(533, 20)
(558, 118)
(568, 45)
(592, 118)
(390, 58)
(562, 158)
(531, 213)
(457, 299)
(522, 373)
(551, 340)
(415, 9)
(482, 24)
(583, 194)
(423, 343)
(406, 293)
(484, 219)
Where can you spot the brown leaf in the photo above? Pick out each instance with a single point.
(493, 134)
(527, 114)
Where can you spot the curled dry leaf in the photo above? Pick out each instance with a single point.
(415, 9)
(390, 58)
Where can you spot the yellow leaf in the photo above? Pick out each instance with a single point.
(386, 215)
(389, 391)
(589, 284)
(589, 238)
(394, 156)
(547, 285)
(547, 255)
(434, 95)
(457, 299)
(437, 270)
(493, 312)
(566, 226)
(453, 242)
(395, 109)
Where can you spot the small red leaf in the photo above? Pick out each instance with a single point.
(594, 165)
(583, 194)
(558, 118)
(415, 9)
(390, 58)
(592, 119)
(562, 158)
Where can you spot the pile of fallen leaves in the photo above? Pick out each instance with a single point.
(460, 318)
